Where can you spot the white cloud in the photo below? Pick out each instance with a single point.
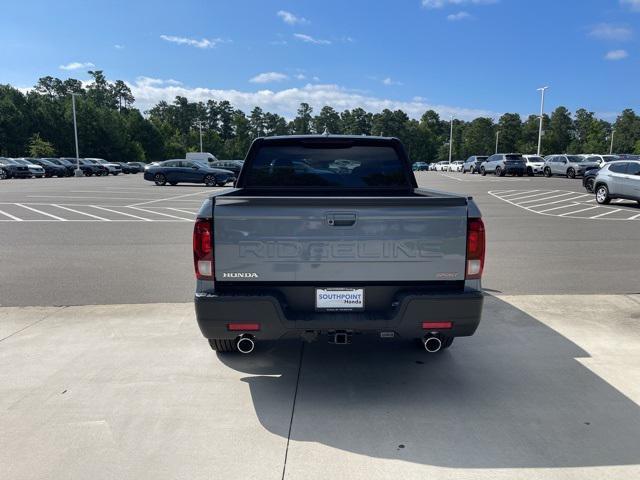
(310, 39)
(442, 3)
(76, 66)
(454, 17)
(301, 76)
(616, 55)
(269, 77)
(633, 4)
(389, 81)
(192, 42)
(286, 101)
(608, 31)
(118, 46)
(291, 19)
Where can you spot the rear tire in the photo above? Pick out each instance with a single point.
(530, 171)
(602, 195)
(210, 181)
(483, 172)
(547, 172)
(3, 175)
(498, 172)
(223, 346)
(571, 173)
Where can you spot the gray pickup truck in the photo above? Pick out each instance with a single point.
(330, 236)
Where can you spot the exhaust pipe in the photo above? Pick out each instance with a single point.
(245, 344)
(432, 344)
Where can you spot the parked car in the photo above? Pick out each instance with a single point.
(50, 168)
(420, 166)
(320, 276)
(599, 159)
(126, 168)
(203, 157)
(619, 179)
(112, 168)
(455, 166)
(472, 164)
(12, 169)
(442, 166)
(139, 166)
(36, 171)
(570, 166)
(187, 171)
(89, 168)
(231, 165)
(535, 164)
(432, 166)
(502, 164)
(68, 166)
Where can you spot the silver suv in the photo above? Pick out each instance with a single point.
(569, 165)
(620, 179)
(501, 164)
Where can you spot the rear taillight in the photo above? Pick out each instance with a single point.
(475, 248)
(203, 248)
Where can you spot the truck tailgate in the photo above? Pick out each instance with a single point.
(339, 239)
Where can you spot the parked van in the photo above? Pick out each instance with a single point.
(202, 157)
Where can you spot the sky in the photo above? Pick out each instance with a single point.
(465, 58)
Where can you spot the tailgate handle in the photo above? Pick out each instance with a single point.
(341, 219)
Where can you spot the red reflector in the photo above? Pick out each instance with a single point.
(436, 325)
(243, 327)
(203, 248)
(475, 248)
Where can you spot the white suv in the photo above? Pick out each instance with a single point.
(442, 166)
(456, 166)
(619, 179)
(535, 164)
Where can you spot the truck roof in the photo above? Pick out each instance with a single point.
(328, 137)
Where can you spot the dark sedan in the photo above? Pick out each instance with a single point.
(68, 166)
(88, 169)
(232, 165)
(187, 171)
(50, 168)
(126, 168)
(9, 168)
(138, 166)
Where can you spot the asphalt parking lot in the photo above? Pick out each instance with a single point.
(104, 374)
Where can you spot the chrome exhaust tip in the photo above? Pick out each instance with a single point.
(245, 344)
(432, 344)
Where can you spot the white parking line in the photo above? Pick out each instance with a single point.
(82, 213)
(577, 211)
(552, 196)
(121, 213)
(41, 212)
(169, 198)
(84, 198)
(519, 193)
(607, 213)
(11, 216)
(557, 201)
(163, 214)
(530, 196)
(558, 208)
(634, 217)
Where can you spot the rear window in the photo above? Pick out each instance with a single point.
(356, 166)
(514, 158)
(575, 158)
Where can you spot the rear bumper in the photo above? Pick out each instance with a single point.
(215, 312)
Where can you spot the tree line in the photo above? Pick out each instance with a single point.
(39, 122)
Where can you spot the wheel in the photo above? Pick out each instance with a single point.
(3, 175)
(173, 184)
(547, 172)
(530, 171)
(222, 346)
(210, 181)
(160, 179)
(571, 173)
(483, 172)
(588, 184)
(498, 172)
(602, 195)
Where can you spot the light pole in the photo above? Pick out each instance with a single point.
(613, 132)
(199, 125)
(450, 137)
(497, 139)
(542, 90)
(78, 171)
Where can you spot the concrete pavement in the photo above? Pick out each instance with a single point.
(548, 388)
